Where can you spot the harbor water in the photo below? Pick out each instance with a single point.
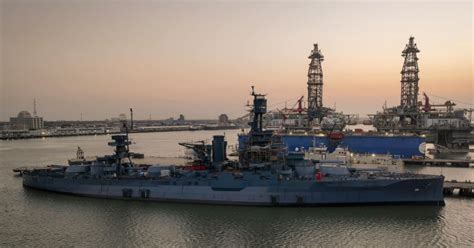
(36, 218)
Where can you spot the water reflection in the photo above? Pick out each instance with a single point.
(31, 217)
(153, 224)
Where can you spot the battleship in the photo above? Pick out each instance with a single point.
(263, 175)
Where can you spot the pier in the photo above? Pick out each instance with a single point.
(54, 133)
(463, 188)
(439, 162)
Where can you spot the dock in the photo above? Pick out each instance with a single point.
(439, 162)
(27, 134)
(463, 188)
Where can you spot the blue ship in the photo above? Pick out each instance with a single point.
(402, 146)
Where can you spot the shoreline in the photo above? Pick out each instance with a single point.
(157, 130)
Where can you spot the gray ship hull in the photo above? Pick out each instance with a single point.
(251, 192)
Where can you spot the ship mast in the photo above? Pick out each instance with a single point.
(258, 144)
(121, 143)
(259, 109)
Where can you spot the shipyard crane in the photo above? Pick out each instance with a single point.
(427, 106)
(299, 103)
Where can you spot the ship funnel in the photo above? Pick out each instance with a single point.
(219, 148)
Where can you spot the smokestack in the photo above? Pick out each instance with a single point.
(131, 119)
(219, 150)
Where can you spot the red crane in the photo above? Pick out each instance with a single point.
(299, 103)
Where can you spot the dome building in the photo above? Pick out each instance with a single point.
(24, 114)
(223, 120)
(25, 121)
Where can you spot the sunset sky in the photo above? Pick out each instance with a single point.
(199, 58)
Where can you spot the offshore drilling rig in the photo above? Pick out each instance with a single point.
(315, 116)
(446, 127)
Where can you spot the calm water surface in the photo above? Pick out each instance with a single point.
(30, 217)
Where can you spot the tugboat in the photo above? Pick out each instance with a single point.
(264, 175)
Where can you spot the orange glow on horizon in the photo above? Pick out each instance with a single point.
(200, 58)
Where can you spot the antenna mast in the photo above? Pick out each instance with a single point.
(34, 108)
(131, 119)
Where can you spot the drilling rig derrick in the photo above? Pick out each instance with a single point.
(409, 81)
(315, 84)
